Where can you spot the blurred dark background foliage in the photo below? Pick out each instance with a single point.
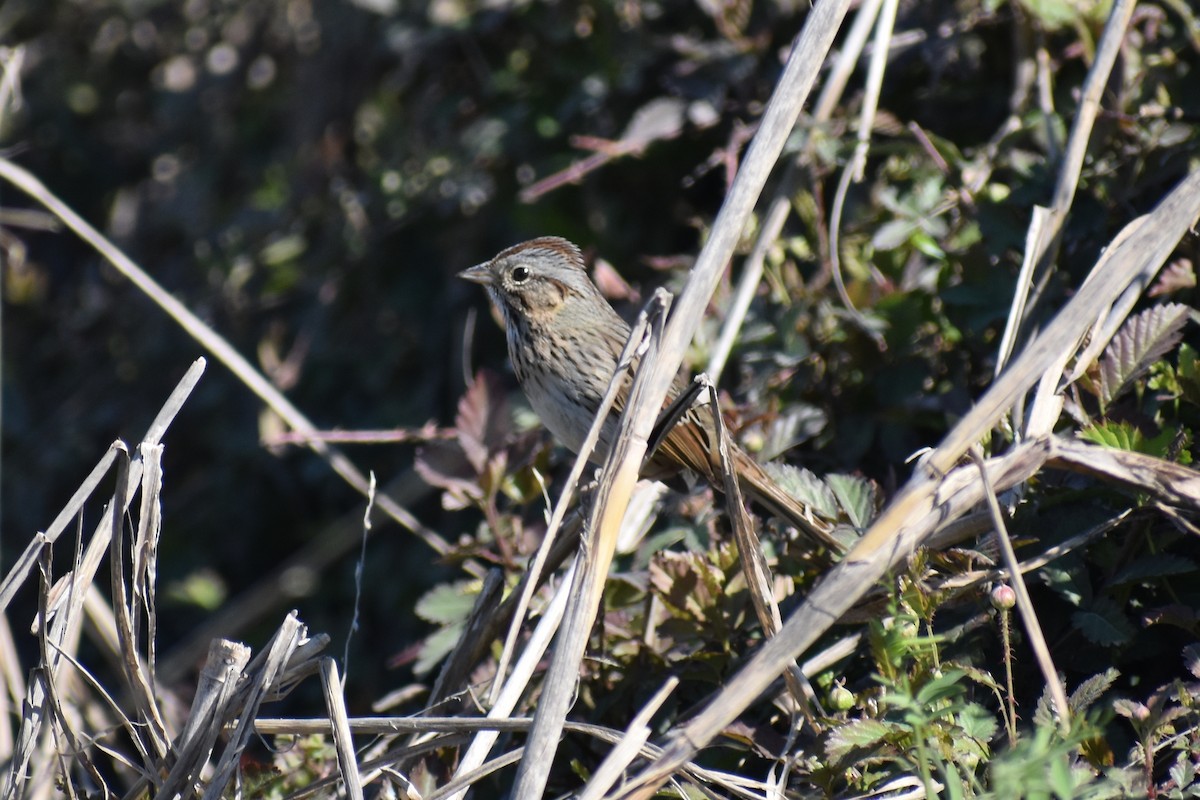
(308, 177)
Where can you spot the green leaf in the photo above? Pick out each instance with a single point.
(1053, 14)
(805, 486)
(283, 249)
(1044, 714)
(1115, 435)
(1183, 772)
(893, 234)
(1189, 373)
(1103, 623)
(855, 734)
(977, 722)
(436, 647)
(926, 244)
(952, 782)
(942, 687)
(1142, 340)
(1123, 435)
(1170, 443)
(448, 603)
(1091, 690)
(1062, 782)
(856, 495)
(1130, 709)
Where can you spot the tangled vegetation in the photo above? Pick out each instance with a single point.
(305, 179)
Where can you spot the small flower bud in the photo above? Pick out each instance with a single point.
(1003, 597)
(841, 698)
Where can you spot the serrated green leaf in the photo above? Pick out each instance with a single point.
(436, 647)
(1129, 709)
(856, 496)
(980, 676)
(1191, 659)
(1044, 715)
(1157, 565)
(977, 722)
(805, 486)
(1142, 340)
(1090, 690)
(855, 734)
(1115, 435)
(1167, 443)
(1183, 772)
(1103, 623)
(448, 602)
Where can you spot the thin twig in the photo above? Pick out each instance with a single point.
(853, 171)
(358, 576)
(1033, 628)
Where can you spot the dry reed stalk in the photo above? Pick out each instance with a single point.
(83, 736)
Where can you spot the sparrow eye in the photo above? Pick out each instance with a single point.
(520, 274)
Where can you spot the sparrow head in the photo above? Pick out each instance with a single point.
(533, 280)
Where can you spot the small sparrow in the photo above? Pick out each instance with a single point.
(564, 342)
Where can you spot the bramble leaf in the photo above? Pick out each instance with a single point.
(1142, 340)
(1104, 623)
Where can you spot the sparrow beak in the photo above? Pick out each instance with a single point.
(480, 273)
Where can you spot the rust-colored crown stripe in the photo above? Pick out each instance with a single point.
(551, 245)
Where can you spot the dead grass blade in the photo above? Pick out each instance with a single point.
(1049, 238)
(210, 707)
(261, 678)
(68, 743)
(522, 674)
(151, 731)
(28, 558)
(13, 680)
(759, 580)
(453, 727)
(80, 751)
(636, 736)
(343, 742)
